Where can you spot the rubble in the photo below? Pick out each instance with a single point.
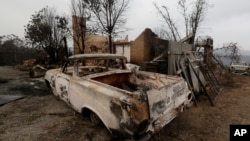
(37, 71)
(26, 65)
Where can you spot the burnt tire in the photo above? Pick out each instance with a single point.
(94, 118)
(48, 85)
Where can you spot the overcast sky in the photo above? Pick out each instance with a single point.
(227, 21)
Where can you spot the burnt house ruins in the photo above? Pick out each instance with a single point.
(174, 58)
(154, 54)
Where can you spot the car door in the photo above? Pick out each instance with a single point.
(62, 86)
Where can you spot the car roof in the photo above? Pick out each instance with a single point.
(96, 56)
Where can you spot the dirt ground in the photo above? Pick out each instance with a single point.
(40, 116)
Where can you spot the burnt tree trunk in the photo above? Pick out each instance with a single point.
(110, 44)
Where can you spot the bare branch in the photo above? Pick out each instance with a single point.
(184, 7)
(200, 8)
(171, 25)
(109, 15)
(231, 50)
(192, 17)
(163, 33)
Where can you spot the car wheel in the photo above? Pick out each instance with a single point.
(48, 86)
(94, 118)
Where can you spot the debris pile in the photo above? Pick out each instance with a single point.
(37, 71)
(35, 68)
(27, 65)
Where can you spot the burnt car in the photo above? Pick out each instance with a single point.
(132, 104)
(240, 68)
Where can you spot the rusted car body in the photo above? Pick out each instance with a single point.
(241, 68)
(132, 104)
